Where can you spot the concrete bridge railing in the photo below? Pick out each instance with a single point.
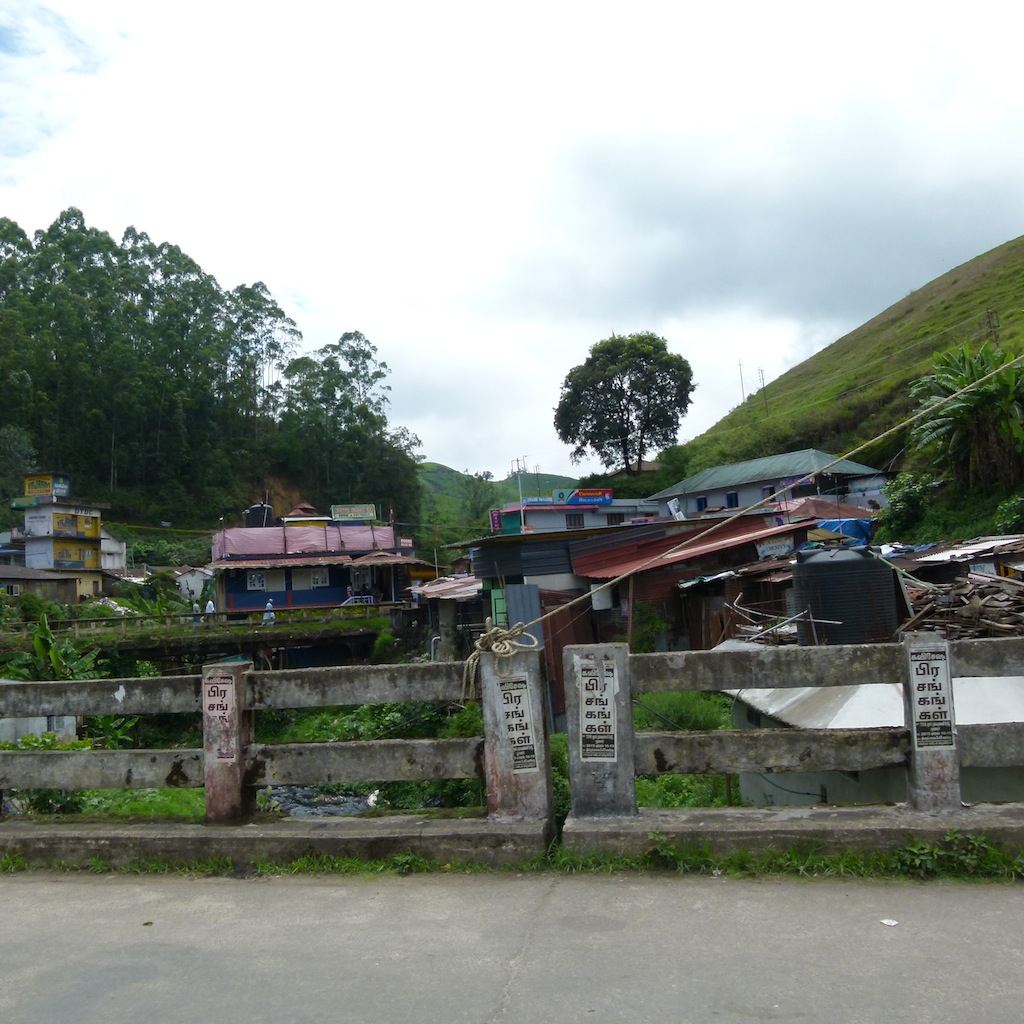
(606, 755)
(512, 757)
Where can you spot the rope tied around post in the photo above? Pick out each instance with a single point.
(498, 640)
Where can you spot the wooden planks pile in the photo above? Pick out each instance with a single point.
(976, 605)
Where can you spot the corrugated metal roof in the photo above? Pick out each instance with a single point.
(772, 467)
(280, 563)
(671, 550)
(451, 588)
(976, 701)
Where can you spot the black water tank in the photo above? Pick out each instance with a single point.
(851, 586)
(258, 515)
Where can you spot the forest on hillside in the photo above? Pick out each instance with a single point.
(127, 367)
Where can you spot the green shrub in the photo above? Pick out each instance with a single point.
(383, 648)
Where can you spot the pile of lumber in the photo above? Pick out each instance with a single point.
(976, 605)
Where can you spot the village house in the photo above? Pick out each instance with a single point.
(743, 484)
(309, 561)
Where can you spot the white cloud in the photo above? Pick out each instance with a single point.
(485, 192)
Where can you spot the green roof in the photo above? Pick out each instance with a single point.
(771, 468)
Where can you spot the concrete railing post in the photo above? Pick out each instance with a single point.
(227, 733)
(517, 755)
(599, 724)
(933, 777)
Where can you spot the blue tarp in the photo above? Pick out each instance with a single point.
(859, 530)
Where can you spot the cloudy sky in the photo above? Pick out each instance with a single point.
(487, 190)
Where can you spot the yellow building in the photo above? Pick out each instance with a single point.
(61, 534)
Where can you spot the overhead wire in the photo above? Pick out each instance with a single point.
(768, 499)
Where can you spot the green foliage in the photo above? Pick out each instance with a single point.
(17, 457)
(688, 710)
(1009, 517)
(110, 732)
(977, 435)
(165, 804)
(384, 647)
(560, 775)
(922, 513)
(856, 388)
(195, 394)
(958, 856)
(34, 608)
(908, 497)
(624, 400)
(681, 791)
(52, 657)
(650, 628)
(43, 801)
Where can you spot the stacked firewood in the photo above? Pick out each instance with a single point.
(976, 605)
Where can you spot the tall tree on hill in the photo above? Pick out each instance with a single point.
(977, 436)
(624, 401)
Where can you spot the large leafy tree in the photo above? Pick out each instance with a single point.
(624, 401)
(973, 423)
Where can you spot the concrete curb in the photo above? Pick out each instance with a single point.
(831, 829)
(497, 842)
(492, 843)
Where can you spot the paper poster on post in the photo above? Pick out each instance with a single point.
(931, 698)
(515, 704)
(598, 685)
(219, 707)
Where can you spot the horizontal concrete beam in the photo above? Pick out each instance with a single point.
(767, 666)
(770, 750)
(364, 761)
(100, 769)
(354, 684)
(146, 696)
(991, 746)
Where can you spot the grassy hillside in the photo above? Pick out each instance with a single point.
(855, 388)
(456, 505)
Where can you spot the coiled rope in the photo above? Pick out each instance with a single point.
(501, 641)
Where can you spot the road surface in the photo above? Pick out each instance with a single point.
(501, 948)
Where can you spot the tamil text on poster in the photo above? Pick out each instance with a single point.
(219, 705)
(598, 686)
(515, 703)
(931, 698)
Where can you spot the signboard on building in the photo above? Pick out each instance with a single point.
(495, 520)
(47, 483)
(583, 496)
(776, 547)
(348, 513)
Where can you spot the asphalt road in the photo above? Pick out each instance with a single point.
(514, 949)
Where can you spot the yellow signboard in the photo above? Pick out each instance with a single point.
(47, 483)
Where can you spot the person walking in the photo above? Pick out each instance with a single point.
(268, 614)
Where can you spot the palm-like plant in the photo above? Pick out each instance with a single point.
(974, 417)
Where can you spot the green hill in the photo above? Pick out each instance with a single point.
(442, 483)
(855, 389)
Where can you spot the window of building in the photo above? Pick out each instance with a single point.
(616, 518)
(13, 589)
(702, 502)
(767, 492)
(319, 577)
(256, 581)
(732, 499)
(574, 520)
